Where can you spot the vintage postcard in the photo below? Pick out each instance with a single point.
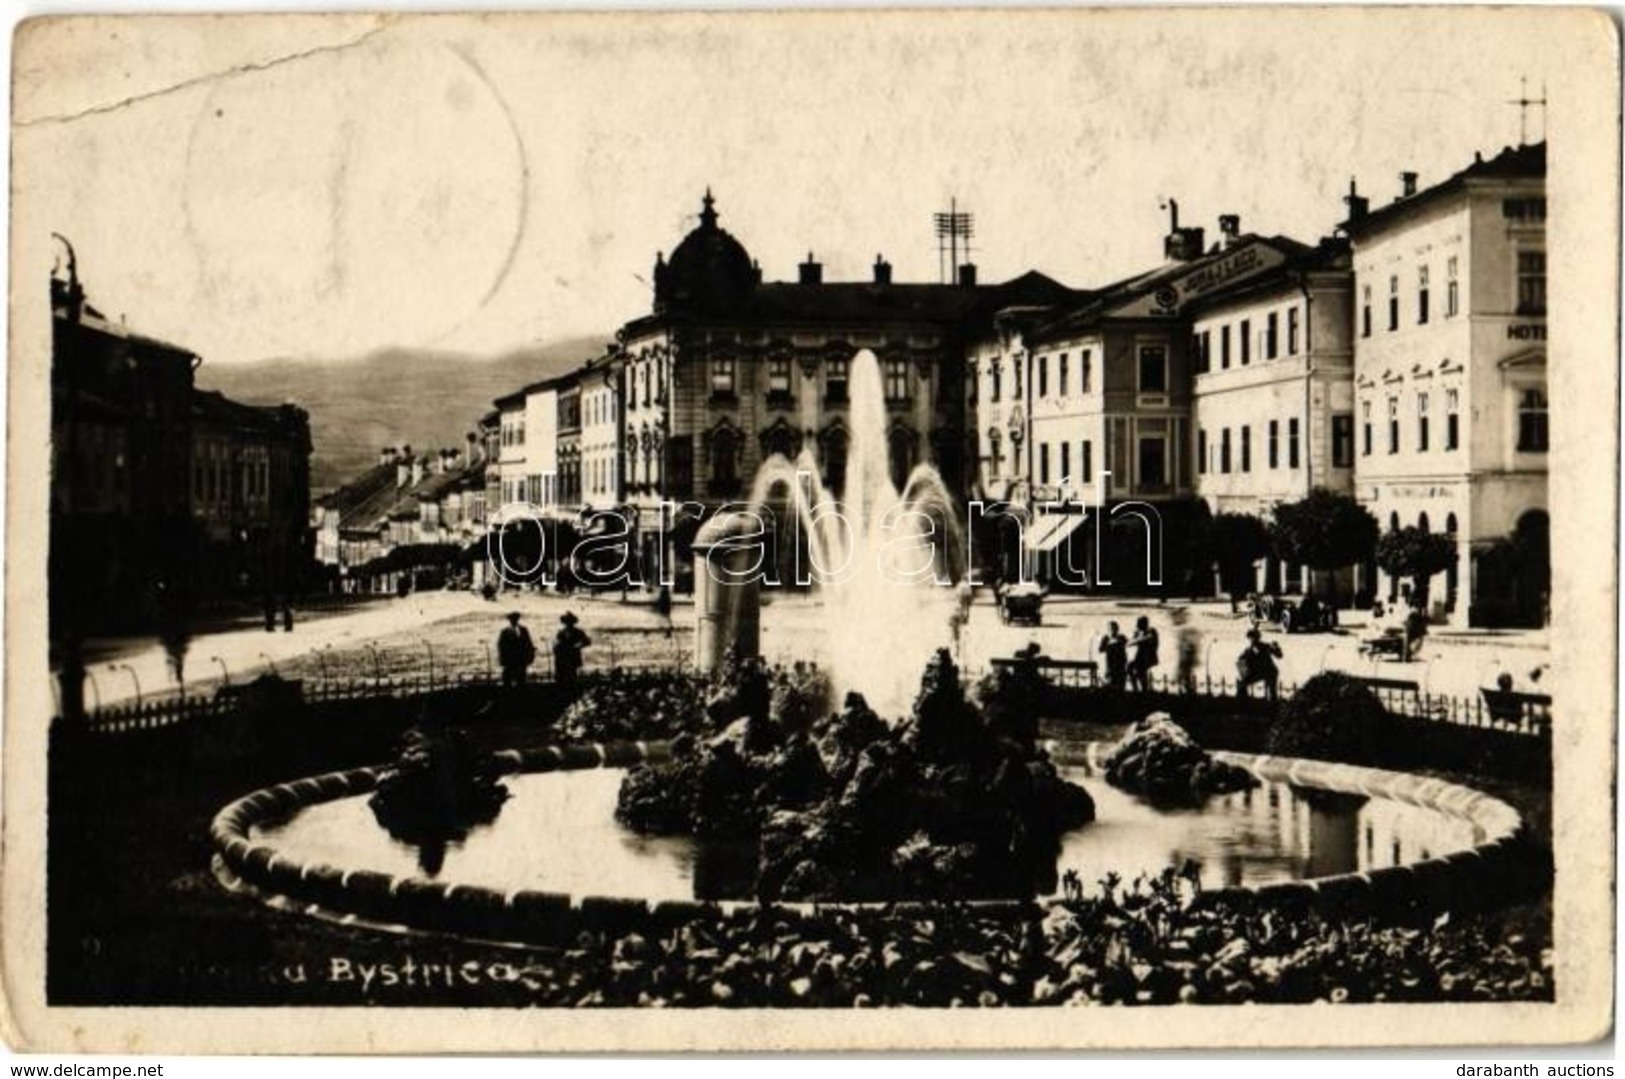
(812, 530)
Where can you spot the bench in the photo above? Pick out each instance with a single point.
(1514, 708)
(1070, 672)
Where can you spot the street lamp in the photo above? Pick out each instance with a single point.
(1324, 652)
(269, 662)
(377, 669)
(135, 678)
(489, 674)
(225, 675)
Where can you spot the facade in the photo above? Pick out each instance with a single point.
(1102, 410)
(1450, 379)
(542, 447)
(600, 384)
(513, 466)
(162, 496)
(728, 370)
(1272, 404)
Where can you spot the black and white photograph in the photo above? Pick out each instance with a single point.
(743, 531)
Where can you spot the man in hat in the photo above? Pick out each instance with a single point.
(567, 646)
(515, 651)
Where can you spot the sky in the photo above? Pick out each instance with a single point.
(326, 186)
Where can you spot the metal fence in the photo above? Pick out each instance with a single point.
(1519, 713)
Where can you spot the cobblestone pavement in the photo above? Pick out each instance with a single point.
(453, 631)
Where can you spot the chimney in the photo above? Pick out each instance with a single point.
(967, 275)
(403, 466)
(1407, 184)
(473, 441)
(417, 470)
(1357, 203)
(1230, 228)
(1185, 244)
(812, 273)
(882, 271)
(386, 456)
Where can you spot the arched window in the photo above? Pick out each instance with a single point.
(832, 451)
(1452, 575)
(1422, 522)
(781, 439)
(723, 460)
(993, 448)
(1393, 522)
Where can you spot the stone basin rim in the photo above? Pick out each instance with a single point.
(342, 891)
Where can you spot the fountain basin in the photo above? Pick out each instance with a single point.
(292, 845)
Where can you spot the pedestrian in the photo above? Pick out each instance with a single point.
(1114, 646)
(515, 651)
(567, 646)
(1257, 664)
(1144, 643)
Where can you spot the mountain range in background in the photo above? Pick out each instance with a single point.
(418, 397)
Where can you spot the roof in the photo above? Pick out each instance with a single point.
(1512, 163)
(1108, 302)
(373, 498)
(212, 406)
(1332, 253)
(866, 303)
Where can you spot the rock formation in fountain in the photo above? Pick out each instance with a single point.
(1159, 760)
(437, 790)
(943, 805)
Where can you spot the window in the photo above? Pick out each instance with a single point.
(1066, 462)
(835, 381)
(1153, 369)
(896, 380)
(1245, 335)
(1196, 354)
(1292, 331)
(1088, 461)
(1224, 450)
(1224, 347)
(724, 461)
(1043, 376)
(1524, 211)
(649, 373)
(993, 384)
(1083, 371)
(1272, 441)
(1393, 425)
(1247, 448)
(1365, 428)
(1271, 335)
(1421, 295)
(1531, 282)
(1153, 470)
(1016, 364)
(1292, 442)
(722, 377)
(778, 378)
(1365, 310)
(1532, 432)
(1201, 450)
(1452, 295)
(1421, 423)
(1043, 463)
(1061, 378)
(1343, 440)
(1452, 419)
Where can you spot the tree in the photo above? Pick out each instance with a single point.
(1235, 541)
(1411, 552)
(1324, 531)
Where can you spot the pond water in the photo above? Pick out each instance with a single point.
(558, 833)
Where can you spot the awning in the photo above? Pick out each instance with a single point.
(1049, 531)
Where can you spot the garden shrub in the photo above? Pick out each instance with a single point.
(1331, 717)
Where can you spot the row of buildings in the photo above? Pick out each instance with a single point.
(1400, 360)
(163, 497)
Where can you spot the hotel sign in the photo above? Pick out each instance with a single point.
(1526, 331)
(1239, 265)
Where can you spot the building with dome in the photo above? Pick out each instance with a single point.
(727, 369)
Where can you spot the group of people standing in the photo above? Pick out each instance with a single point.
(516, 651)
(1121, 670)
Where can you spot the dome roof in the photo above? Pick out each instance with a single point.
(710, 270)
